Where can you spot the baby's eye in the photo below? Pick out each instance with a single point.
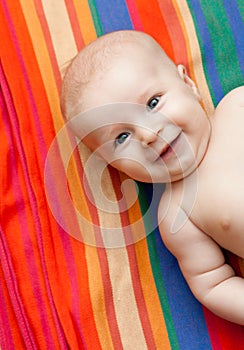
(152, 103)
(121, 138)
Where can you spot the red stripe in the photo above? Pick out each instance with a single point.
(29, 217)
(153, 23)
(26, 210)
(223, 334)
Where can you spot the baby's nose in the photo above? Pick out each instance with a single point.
(148, 136)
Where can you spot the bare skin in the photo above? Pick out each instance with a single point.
(216, 218)
(164, 135)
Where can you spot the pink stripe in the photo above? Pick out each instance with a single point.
(6, 338)
(12, 284)
(132, 9)
(73, 280)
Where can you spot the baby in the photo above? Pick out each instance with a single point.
(141, 113)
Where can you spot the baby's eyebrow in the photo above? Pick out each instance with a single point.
(141, 98)
(110, 132)
(145, 95)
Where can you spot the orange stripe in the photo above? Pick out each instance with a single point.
(85, 20)
(83, 307)
(185, 38)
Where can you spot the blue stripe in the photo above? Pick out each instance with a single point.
(237, 27)
(187, 313)
(113, 15)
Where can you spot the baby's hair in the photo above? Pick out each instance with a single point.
(96, 58)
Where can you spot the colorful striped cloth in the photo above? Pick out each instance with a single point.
(82, 289)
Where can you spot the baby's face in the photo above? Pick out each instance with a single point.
(144, 119)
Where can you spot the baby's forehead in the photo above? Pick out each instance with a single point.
(98, 58)
(105, 52)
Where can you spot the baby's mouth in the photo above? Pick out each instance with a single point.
(168, 149)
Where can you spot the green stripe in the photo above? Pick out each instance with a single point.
(202, 50)
(223, 43)
(95, 18)
(155, 264)
(240, 4)
(162, 292)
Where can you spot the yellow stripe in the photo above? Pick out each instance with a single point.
(60, 30)
(151, 297)
(193, 52)
(145, 271)
(102, 194)
(124, 300)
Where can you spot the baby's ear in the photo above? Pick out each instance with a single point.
(185, 77)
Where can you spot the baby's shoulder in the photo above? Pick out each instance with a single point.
(234, 99)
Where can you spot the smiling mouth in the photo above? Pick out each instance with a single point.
(168, 149)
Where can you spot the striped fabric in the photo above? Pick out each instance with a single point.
(70, 276)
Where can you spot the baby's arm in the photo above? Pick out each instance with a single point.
(212, 281)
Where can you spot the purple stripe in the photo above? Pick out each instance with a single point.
(6, 338)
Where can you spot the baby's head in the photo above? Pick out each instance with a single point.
(131, 104)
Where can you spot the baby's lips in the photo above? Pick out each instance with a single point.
(165, 149)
